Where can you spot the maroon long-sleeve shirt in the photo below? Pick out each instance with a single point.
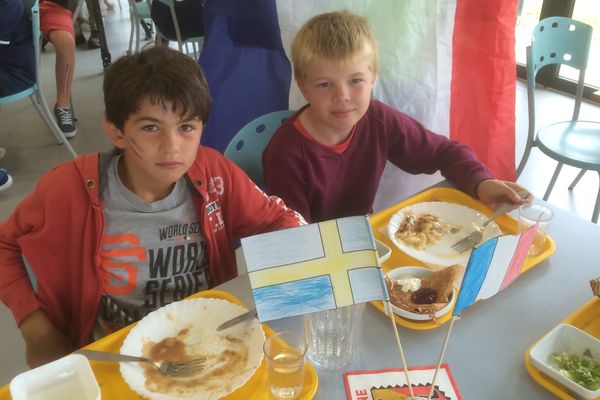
(322, 184)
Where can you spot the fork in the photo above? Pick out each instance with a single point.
(475, 237)
(170, 368)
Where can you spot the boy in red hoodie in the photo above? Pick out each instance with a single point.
(111, 237)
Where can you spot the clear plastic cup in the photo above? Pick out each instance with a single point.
(284, 354)
(334, 336)
(528, 215)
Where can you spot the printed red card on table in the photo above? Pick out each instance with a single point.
(390, 384)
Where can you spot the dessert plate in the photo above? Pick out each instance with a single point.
(462, 219)
(189, 327)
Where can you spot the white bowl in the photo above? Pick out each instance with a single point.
(565, 338)
(70, 377)
(417, 272)
(383, 251)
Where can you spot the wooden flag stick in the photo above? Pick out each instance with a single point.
(391, 314)
(441, 357)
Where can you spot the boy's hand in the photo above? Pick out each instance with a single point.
(43, 342)
(493, 192)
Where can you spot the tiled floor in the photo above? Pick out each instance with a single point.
(31, 151)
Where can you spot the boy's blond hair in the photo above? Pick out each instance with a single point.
(337, 36)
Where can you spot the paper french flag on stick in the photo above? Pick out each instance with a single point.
(313, 268)
(493, 266)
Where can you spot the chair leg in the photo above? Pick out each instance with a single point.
(133, 21)
(37, 103)
(577, 178)
(597, 206)
(525, 157)
(137, 35)
(553, 180)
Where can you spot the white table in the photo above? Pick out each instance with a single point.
(487, 346)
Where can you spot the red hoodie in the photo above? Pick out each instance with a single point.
(58, 229)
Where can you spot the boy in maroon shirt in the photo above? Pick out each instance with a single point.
(327, 159)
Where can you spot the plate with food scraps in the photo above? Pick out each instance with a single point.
(186, 330)
(426, 231)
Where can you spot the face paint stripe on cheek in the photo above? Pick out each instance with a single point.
(135, 147)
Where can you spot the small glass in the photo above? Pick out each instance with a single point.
(334, 336)
(284, 353)
(528, 215)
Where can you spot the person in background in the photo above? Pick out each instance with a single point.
(111, 237)
(57, 26)
(326, 160)
(93, 42)
(190, 19)
(5, 179)
(17, 59)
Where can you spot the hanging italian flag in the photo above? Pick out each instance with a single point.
(449, 64)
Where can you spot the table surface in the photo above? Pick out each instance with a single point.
(487, 346)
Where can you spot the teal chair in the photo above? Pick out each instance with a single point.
(138, 11)
(182, 44)
(565, 41)
(35, 92)
(246, 147)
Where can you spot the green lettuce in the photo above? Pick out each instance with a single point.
(583, 370)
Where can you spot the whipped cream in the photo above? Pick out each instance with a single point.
(409, 283)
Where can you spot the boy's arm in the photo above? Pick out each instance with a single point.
(417, 150)
(43, 342)
(252, 212)
(16, 291)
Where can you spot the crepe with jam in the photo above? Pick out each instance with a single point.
(433, 295)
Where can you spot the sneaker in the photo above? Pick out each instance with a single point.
(94, 41)
(65, 121)
(5, 180)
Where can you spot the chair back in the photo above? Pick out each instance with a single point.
(559, 40)
(246, 147)
(196, 41)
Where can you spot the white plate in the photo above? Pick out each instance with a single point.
(69, 377)
(223, 372)
(565, 338)
(441, 254)
(417, 272)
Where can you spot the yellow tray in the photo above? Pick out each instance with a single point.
(113, 386)
(586, 318)
(379, 222)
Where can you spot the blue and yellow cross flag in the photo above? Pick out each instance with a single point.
(313, 268)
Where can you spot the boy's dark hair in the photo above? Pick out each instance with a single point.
(160, 74)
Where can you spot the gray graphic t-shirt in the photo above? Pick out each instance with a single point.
(152, 253)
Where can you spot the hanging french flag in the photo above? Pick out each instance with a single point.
(450, 64)
(493, 266)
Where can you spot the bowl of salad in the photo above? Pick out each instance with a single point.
(571, 357)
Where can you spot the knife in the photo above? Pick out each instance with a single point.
(236, 320)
